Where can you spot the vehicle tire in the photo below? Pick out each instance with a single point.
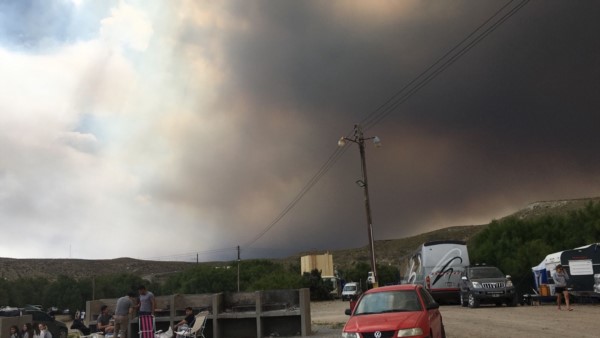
(62, 333)
(473, 302)
(443, 331)
(463, 301)
(498, 303)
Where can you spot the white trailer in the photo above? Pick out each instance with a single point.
(438, 266)
(582, 264)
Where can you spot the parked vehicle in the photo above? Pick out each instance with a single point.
(486, 284)
(57, 328)
(582, 264)
(395, 311)
(8, 311)
(438, 266)
(33, 307)
(336, 286)
(351, 291)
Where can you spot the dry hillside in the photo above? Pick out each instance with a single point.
(11, 268)
(389, 251)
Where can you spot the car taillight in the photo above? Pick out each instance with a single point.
(428, 282)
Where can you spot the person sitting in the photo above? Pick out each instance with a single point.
(187, 322)
(26, 331)
(44, 333)
(14, 332)
(79, 325)
(103, 323)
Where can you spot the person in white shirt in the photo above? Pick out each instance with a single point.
(561, 277)
(44, 333)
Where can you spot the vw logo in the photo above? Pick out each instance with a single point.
(377, 334)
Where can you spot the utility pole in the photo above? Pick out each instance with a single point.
(238, 274)
(360, 140)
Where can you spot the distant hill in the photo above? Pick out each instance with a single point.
(11, 268)
(553, 208)
(388, 252)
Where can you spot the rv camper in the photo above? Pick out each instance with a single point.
(582, 265)
(438, 266)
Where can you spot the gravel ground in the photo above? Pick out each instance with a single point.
(328, 319)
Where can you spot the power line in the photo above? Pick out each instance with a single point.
(333, 158)
(194, 253)
(397, 99)
(377, 117)
(381, 112)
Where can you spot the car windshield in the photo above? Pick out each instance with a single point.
(490, 272)
(350, 288)
(388, 301)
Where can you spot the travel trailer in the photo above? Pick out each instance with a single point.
(438, 266)
(582, 264)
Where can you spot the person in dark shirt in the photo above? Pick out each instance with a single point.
(79, 325)
(188, 321)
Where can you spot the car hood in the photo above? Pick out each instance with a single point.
(390, 321)
(489, 280)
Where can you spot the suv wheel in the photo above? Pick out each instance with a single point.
(463, 301)
(473, 302)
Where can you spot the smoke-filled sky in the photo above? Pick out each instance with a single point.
(170, 129)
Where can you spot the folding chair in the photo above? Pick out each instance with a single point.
(197, 330)
(146, 325)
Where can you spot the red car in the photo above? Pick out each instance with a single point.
(395, 311)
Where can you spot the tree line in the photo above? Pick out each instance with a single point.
(513, 244)
(69, 293)
(516, 245)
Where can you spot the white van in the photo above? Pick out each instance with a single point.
(438, 266)
(351, 291)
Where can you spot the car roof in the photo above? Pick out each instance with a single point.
(402, 287)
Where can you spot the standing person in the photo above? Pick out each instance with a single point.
(561, 277)
(26, 331)
(123, 311)
(147, 301)
(104, 321)
(14, 332)
(44, 333)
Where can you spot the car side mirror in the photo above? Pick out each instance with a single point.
(463, 277)
(433, 306)
(348, 312)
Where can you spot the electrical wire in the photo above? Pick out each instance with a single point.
(333, 158)
(389, 106)
(377, 117)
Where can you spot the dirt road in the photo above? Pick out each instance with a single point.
(488, 321)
